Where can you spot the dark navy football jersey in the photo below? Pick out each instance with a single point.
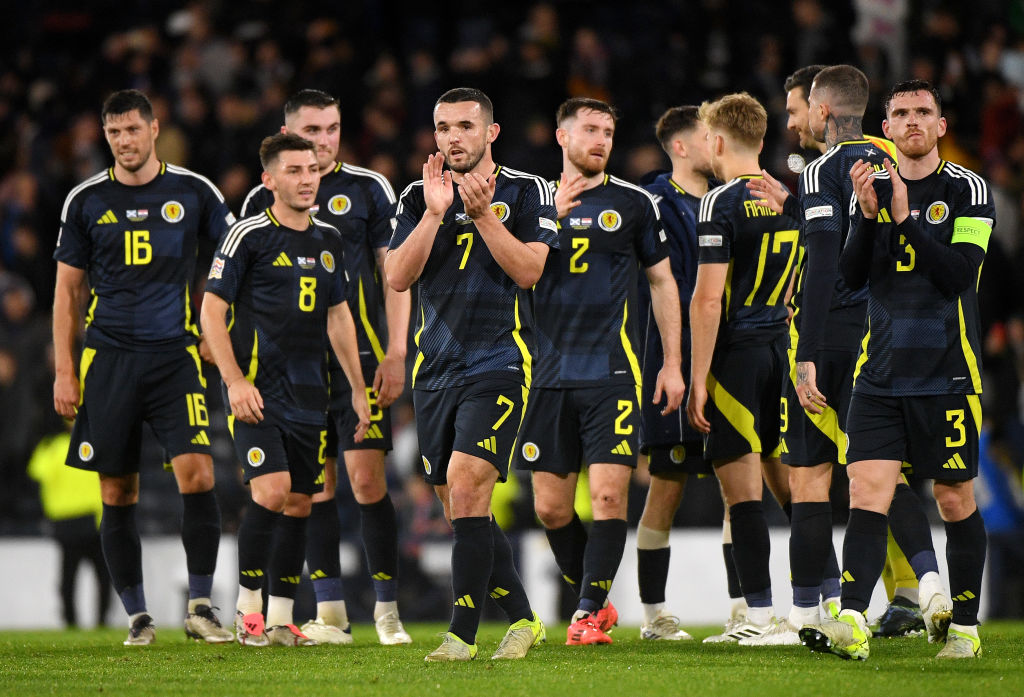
(360, 203)
(678, 210)
(472, 320)
(138, 246)
(760, 246)
(829, 207)
(918, 341)
(586, 300)
(280, 283)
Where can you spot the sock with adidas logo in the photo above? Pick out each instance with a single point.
(601, 559)
(863, 557)
(323, 536)
(472, 562)
(287, 556)
(568, 544)
(965, 555)
(911, 530)
(200, 535)
(504, 585)
(380, 542)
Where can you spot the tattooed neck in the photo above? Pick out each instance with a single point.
(842, 128)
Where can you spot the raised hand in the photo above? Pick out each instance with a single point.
(863, 177)
(476, 193)
(769, 190)
(438, 191)
(565, 195)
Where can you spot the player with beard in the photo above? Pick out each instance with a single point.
(585, 399)
(824, 336)
(360, 204)
(674, 451)
(918, 249)
(133, 230)
(474, 256)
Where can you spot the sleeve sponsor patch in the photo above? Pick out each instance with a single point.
(973, 230)
(217, 268)
(547, 223)
(710, 240)
(818, 212)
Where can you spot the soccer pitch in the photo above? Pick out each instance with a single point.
(94, 662)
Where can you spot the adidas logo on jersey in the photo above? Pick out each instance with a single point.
(954, 463)
(107, 218)
(282, 260)
(622, 449)
(489, 444)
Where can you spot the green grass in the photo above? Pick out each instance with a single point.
(94, 662)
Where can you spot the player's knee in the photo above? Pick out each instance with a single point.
(467, 501)
(609, 504)
(194, 473)
(367, 485)
(868, 494)
(553, 514)
(955, 504)
(271, 499)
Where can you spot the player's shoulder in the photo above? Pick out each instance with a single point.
(249, 230)
(329, 231)
(193, 180)
(258, 198)
(85, 189)
(818, 172)
(632, 191)
(720, 198)
(369, 177)
(518, 179)
(967, 182)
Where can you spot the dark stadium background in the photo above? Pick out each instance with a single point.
(219, 73)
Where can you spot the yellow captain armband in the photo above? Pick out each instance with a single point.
(973, 230)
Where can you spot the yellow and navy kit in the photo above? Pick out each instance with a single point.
(586, 300)
(472, 321)
(280, 283)
(828, 314)
(138, 246)
(760, 246)
(360, 203)
(923, 334)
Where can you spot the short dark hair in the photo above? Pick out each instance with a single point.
(126, 101)
(803, 78)
(572, 106)
(469, 94)
(273, 146)
(847, 88)
(908, 86)
(311, 98)
(676, 120)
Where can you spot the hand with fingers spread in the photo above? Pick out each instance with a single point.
(565, 195)
(807, 390)
(477, 192)
(863, 177)
(900, 205)
(438, 190)
(769, 190)
(246, 401)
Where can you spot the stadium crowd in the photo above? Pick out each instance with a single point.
(218, 76)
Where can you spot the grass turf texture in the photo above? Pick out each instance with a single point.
(94, 662)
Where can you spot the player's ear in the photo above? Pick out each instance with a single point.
(267, 180)
(284, 129)
(154, 127)
(679, 148)
(885, 128)
(942, 126)
(560, 135)
(492, 132)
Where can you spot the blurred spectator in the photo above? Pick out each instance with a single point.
(71, 501)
